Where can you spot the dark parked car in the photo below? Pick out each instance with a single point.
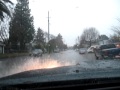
(106, 51)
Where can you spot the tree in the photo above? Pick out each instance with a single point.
(116, 29)
(82, 41)
(90, 35)
(40, 36)
(52, 44)
(21, 25)
(65, 46)
(39, 39)
(59, 41)
(116, 36)
(4, 8)
(75, 46)
(51, 36)
(56, 43)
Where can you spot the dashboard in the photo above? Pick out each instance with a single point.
(87, 84)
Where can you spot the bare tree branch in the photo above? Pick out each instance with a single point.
(89, 35)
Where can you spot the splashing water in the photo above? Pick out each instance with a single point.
(42, 64)
(33, 64)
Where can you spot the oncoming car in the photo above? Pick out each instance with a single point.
(82, 50)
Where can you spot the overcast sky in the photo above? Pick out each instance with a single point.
(71, 17)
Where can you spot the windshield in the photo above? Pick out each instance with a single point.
(61, 33)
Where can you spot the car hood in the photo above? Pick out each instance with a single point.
(111, 49)
(74, 72)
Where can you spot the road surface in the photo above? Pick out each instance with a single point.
(20, 64)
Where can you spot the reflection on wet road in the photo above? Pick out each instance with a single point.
(20, 64)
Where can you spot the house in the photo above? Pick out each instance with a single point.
(1, 47)
(103, 39)
(104, 42)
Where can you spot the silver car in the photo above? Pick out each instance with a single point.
(82, 50)
(36, 52)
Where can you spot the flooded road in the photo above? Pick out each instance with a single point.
(64, 58)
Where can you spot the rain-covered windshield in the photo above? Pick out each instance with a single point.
(47, 34)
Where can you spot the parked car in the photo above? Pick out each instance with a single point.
(56, 50)
(36, 52)
(107, 51)
(82, 50)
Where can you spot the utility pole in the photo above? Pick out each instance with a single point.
(48, 34)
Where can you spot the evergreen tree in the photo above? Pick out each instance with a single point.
(39, 39)
(40, 36)
(21, 26)
(59, 41)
